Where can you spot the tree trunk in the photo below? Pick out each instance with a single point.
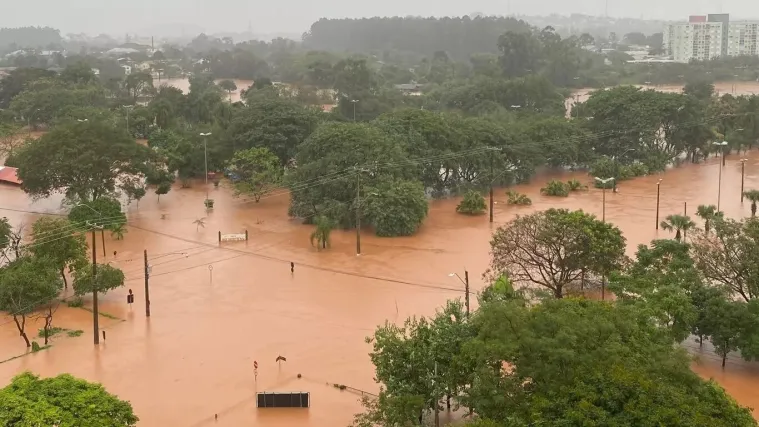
(448, 401)
(701, 341)
(65, 281)
(724, 358)
(20, 327)
(324, 243)
(557, 292)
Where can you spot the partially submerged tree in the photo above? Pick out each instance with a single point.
(26, 284)
(753, 197)
(255, 172)
(679, 223)
(472, 204)
(107, 279)
(320, 236)
(58, 240)
(709, 214)
(554, 249)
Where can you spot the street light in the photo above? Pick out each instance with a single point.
(658, 192)
(743, 175)
(205, 153)
(354, 102)
(603, 182)
(719, 185)
(128, 108)
(465, 281)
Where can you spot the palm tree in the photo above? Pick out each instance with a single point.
(679, 223)
(118, 231)
(708, 214)
(200, 222)
(752, 195)
(324, 227)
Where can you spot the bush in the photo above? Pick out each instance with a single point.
(575, 185)
(518, 199)
(75, 333)
(35, 347)
(556, 189)
(396, 207)
(50, 333)
(473, 204)
(76, 302)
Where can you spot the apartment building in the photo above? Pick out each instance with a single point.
(741, 38)
(687, 41)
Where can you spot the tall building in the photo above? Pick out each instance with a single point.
(742, 38)
(709, 37)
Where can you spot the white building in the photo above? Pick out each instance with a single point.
(742, 38)
(693, 40)
(709, 37)
(127, 69)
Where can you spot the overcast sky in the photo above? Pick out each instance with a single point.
(295, 16)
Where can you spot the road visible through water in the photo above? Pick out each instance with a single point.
(218, 308)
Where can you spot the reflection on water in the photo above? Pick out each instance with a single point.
(194, 357)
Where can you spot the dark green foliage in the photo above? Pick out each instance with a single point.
(472, 204)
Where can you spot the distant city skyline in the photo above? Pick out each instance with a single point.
(296, 16)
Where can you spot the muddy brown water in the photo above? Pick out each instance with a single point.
(194, 357)
(184, 86)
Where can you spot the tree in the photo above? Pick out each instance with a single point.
(396, 207)
(554, 249)
(327, 178)
(107, 279)
(725, 320)
(708, 214)
(753, 196)
(81, 160)
(730, 257)
(104, 212)
(324, 227)
(678, 223)
(17, 80)
(472, 204)
(277, 124)
(200, 222)
(5, 233)
(256, 172)
(118, 231)
(664, 280)
(229, 86)
(555, 188)
(700, 90)
(58, 240)
(63, 401)
(26, 284)
(139, 84)
(518, 199)
(79, 73)
(10, 140)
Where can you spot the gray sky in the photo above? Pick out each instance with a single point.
(295, 16)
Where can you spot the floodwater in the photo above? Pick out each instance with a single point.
(218, 308)
(184, 85)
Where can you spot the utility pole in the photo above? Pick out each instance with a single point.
(102, 239)
(358, 210)
(434, 390)
(491, 191)
(743, 176)
(658, 192)
(147, 286)
(205, 154)
(466, 289)
(95, 326)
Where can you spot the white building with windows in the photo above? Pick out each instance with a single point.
(709, 37)
(742, 38)
(693, 40)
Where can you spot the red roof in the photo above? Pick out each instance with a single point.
(9, 174)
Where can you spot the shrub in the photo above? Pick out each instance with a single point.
(473, 204)
(75, 333)
(575, 185)
(76, 302)
(518, 198)
(556, 189)
(50, 333)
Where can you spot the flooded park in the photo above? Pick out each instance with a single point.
(218, 308)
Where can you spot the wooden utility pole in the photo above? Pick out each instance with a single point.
(95, 326)
(358, 208)
(102, 239)
(437, 412)
(147, 286)
(466, 287)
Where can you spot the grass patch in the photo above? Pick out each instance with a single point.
(103, 314)
(75, 333)
(76, 302)
(53, 331)
(35, 348)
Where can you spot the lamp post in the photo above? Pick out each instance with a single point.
(205, 154)
(603, 182)
(354, 102)
(658, 192)
(743, 175)
(465, 281)
(128, 108)
(722, 144)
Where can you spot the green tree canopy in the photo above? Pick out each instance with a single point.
(81, 160)
(58, 240)
(64, 401)
(553, 249)
(256, 172)
(396, 207)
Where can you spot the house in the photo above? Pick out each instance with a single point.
(412, 88)
(9, 175)
(121, 51)
(96, 71)
(127, 69)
